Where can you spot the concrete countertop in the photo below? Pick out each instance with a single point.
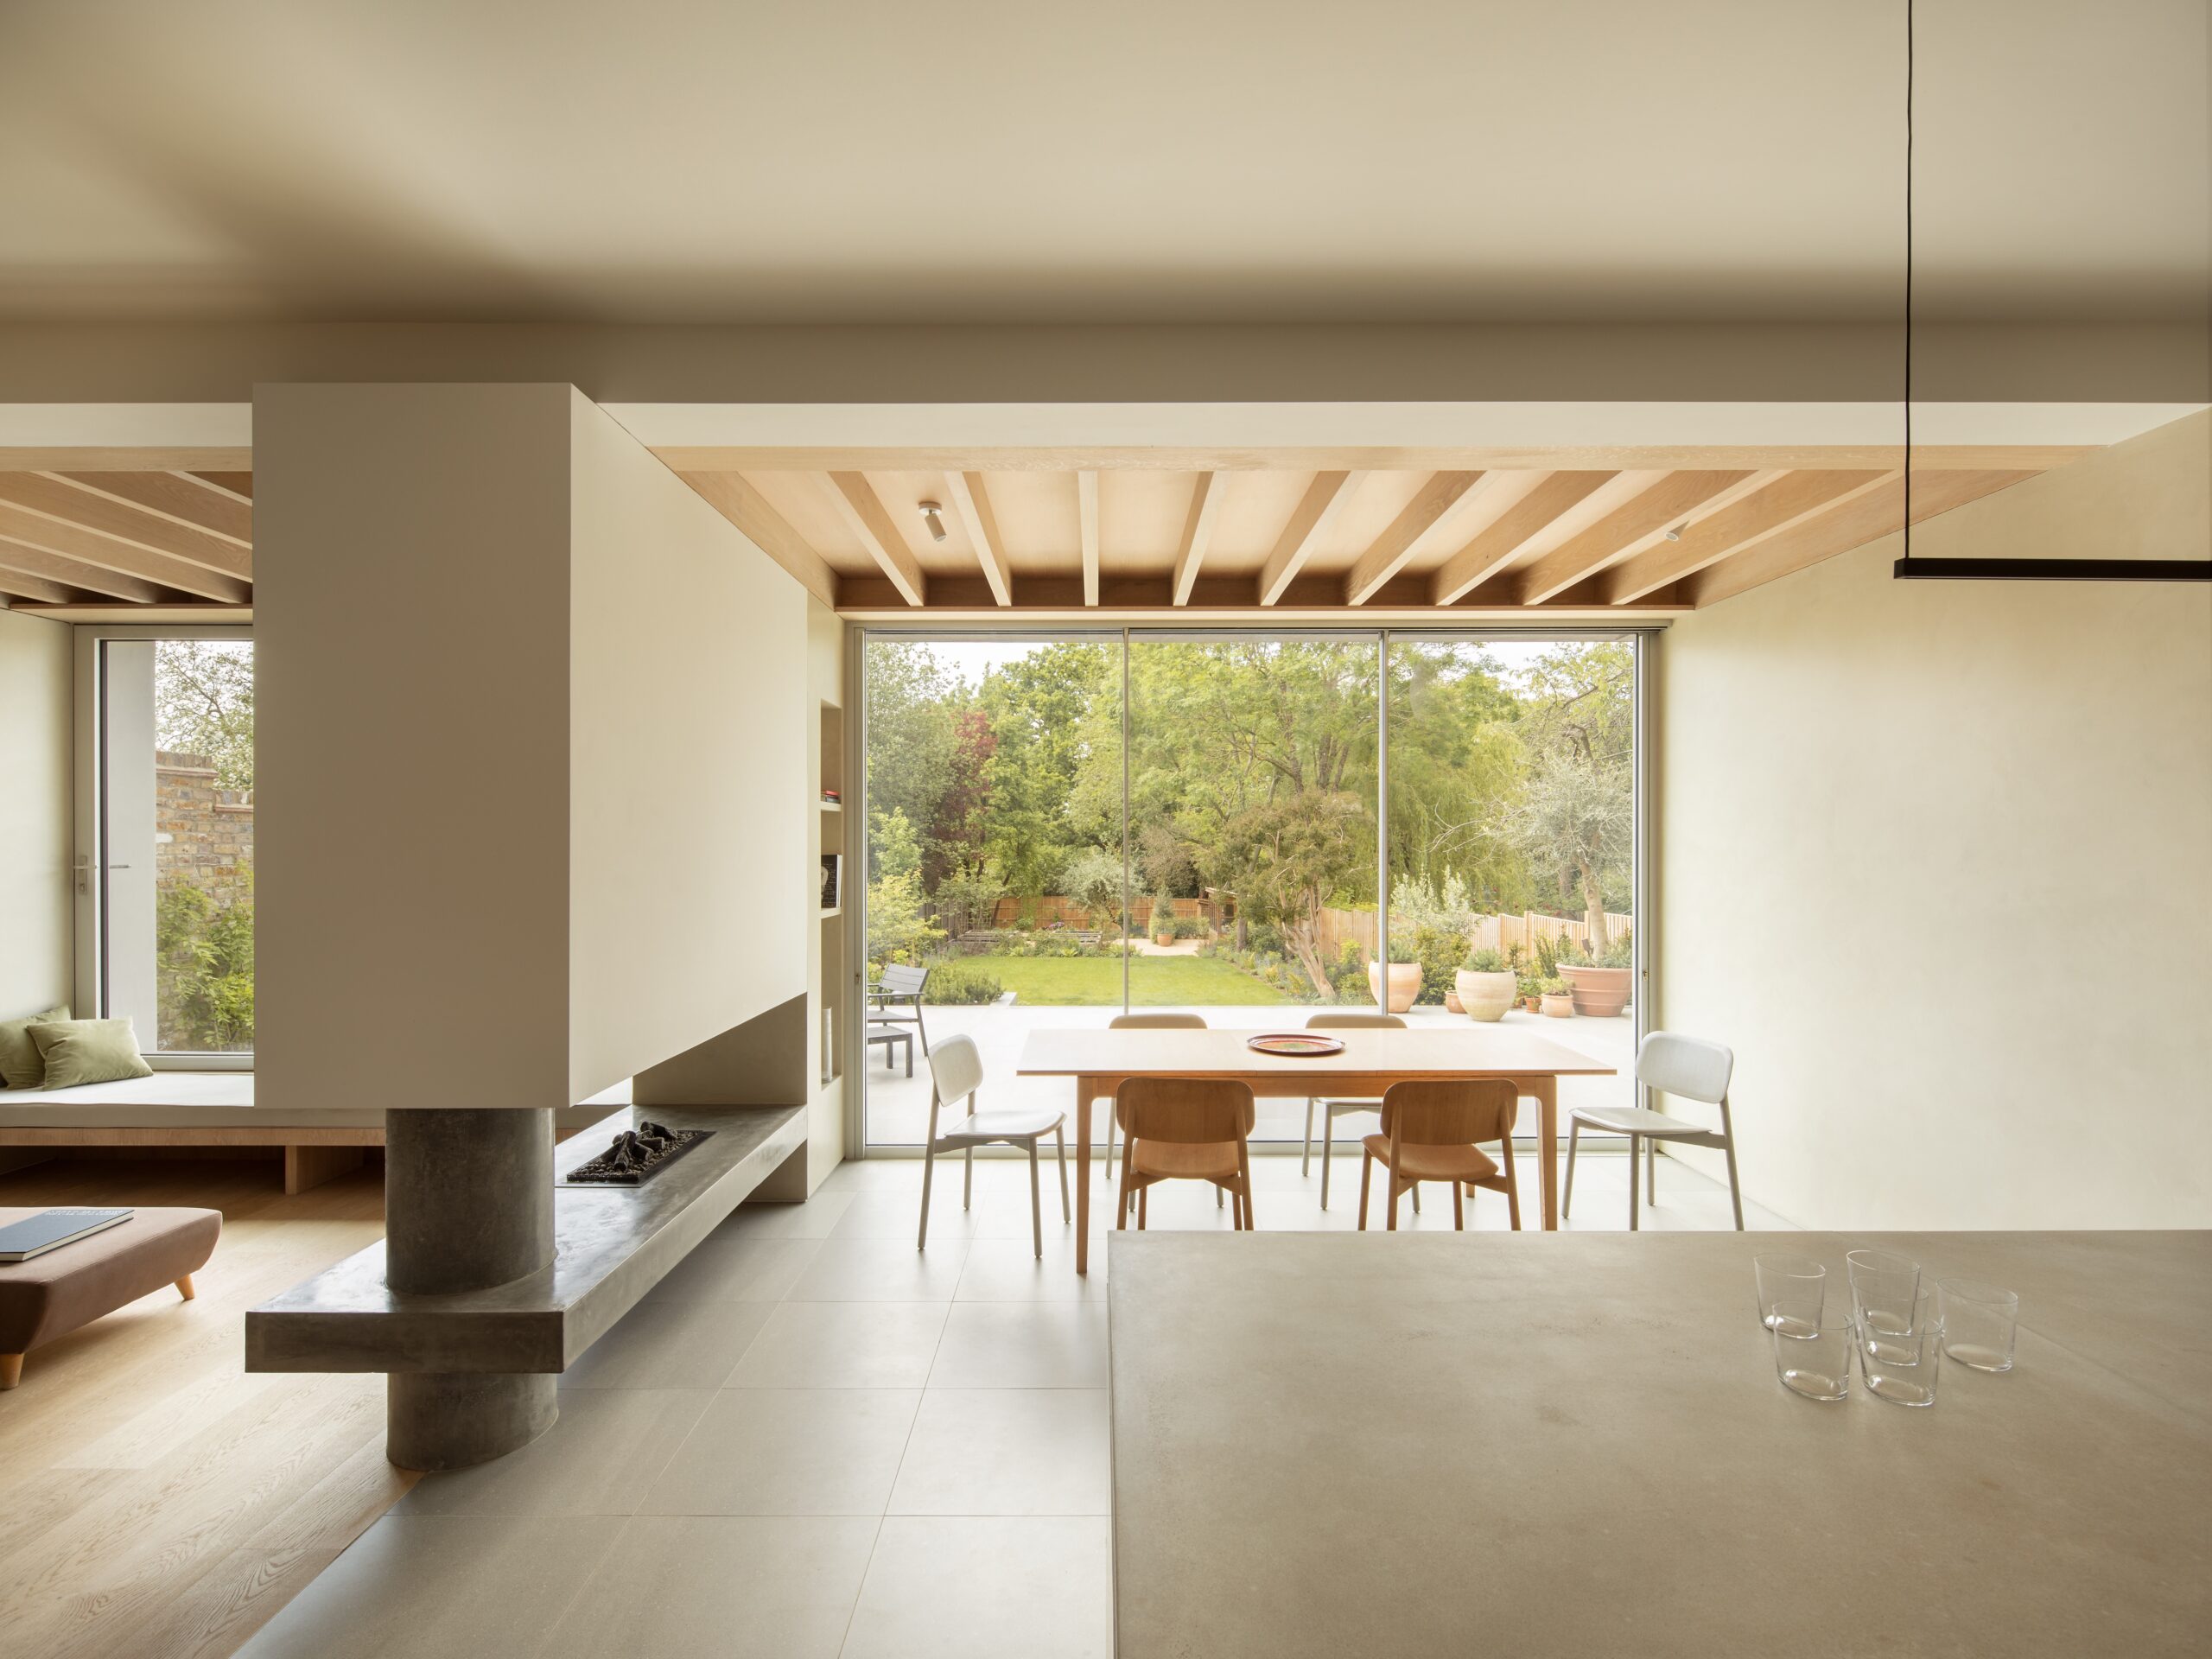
(1575, 1445)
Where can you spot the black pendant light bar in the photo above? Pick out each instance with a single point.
(1909, 569)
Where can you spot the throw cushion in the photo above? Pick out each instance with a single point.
(88, 1051)
(20, 1064)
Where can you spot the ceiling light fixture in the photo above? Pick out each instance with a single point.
(933, 516)
(1675, 534)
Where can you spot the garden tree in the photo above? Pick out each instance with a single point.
(912, 707)
(1093, 878)
(1036, 708)
(1579, 703)
(203, 967)
(1288, 858)
(968, 896)
(203, 704)
(1456, 756)
(958, 825)
(897, 929)
(1582, 815)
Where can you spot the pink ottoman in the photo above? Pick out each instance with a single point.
(52, 1295)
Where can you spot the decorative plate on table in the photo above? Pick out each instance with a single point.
(1297, 1045)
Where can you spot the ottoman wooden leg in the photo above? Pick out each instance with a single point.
(184, 1287)
(12, 1370)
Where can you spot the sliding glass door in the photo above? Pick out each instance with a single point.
(1064, 828)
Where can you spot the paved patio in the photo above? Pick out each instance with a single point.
(898, 1107)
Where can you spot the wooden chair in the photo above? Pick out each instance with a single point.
(1688, 1067)
(899, 986)
(1431, 1132)
(1145, 1022)
(1337, 1108)
(1185, 1128)
(955, 1075)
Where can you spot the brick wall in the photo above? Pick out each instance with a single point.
(203, 835)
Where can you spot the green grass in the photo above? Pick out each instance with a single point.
(1154, 982)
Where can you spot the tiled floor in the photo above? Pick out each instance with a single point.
(813, 1440)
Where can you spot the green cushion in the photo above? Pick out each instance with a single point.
(88, 1051)
(20, 1064)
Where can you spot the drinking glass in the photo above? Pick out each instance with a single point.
(1884, 1285)
(1900, 1366)
(1817, 1363)
(1979, 1323)
(1790, 1292)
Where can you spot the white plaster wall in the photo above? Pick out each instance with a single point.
(1936, 860)
(35, 943)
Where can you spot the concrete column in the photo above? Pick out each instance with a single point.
(468, 1205)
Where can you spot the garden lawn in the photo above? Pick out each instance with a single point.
(1154, 982)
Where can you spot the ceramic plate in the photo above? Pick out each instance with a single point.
(1300, 1044)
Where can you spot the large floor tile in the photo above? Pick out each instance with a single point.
(1006, 1270)
(670, 1345)
(881, 1270)
(1023, 1345)
(736, 1264)
(599, 1458)
(843, 1345)
(789, 1451)
(734, 1587)
(969, 1588)
(427, 1587)
(812, 1219)
(1007, 1451)
(891, 1214)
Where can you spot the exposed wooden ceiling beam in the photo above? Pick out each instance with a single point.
(1501, 541)
(1150, 597)
(1198, 532)
(168, 612)
(1373, 458)
(72, 573)
(55, 498)
(864, 515)
(109, 458)
(75, 543)
(972, 501)
(1865, 517)
(181, 497)
(1317, 510)
(36, 589)
(735, 499)
(1387, 554)
(1086, 512)
(1629, 528)
(237, 484)
(1787, 502)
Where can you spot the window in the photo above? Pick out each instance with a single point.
(165, 861)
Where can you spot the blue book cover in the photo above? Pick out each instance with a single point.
(50, 1230)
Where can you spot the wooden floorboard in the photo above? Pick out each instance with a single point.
(161, 1501)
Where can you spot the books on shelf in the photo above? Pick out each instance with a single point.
(50, 1230)
(833, 879)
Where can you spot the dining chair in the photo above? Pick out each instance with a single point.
(1337, 1108)
(955, 1075)
(1689, 1067)
(1145, 1022)
(899, 987)
(1185, 1128)
(1432, 1130)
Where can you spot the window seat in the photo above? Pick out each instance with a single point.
(211, 1109)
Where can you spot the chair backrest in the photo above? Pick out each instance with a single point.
(1355, 1022)
(1156, 1022)
(1184, 1111)
(1688, 1066)
(955, 1069)
(1450, 1111)
(899, 977)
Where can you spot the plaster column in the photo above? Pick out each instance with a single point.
(468, 1205)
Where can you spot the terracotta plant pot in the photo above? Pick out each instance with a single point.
(1405, 984)
(1530, 1002)
(1163, 939)
(1559, 1005)
(1486, 996)
(1452, 1003)
(1600, 993)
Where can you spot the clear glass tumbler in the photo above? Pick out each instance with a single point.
(1883, 1287)
(1817, 1362)
(1791, 1289)
(1901, 1366)
(1980, 1323)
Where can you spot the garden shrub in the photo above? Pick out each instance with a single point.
(204, 970)
(962, 983)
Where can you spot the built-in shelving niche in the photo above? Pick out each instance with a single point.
(832, 819)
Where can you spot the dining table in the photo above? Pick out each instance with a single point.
(1099, 1060)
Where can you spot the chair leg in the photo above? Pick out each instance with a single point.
(1735, 1195)
(929, 1167)
(1143, 1194)
(1216, 1198)
(1036, 1208)
(1512, 1183)
(1366, 1164)
(1110, 1145)
(1060, 1150)
(1573, 1140)
(1328, 1146)
(968, 1180)
(1458, 1208)
(1634, 1146)
(1415, 1187)
(923, 1029)
(1305, 1158)
(1122, 1199)
(1651, 1176)
(1244, 1182)
(1391, 1225)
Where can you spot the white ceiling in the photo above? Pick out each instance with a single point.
(703, 161)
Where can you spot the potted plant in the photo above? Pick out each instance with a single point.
(1601, 988)
(1163, 919)
(1558, 999)
(1530, 989)
(1405, 978)
(1485, 986)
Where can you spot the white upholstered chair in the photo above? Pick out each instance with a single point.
(955, 1075)
(1688, 1068)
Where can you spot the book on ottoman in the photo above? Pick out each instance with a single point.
(50, 1230)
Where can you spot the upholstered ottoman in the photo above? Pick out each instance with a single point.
(52, 1295)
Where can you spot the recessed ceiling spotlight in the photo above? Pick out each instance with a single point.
(933, 516)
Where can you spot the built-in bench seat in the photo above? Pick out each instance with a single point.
(211, 1109)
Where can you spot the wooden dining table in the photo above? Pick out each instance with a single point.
(1098, 1060)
